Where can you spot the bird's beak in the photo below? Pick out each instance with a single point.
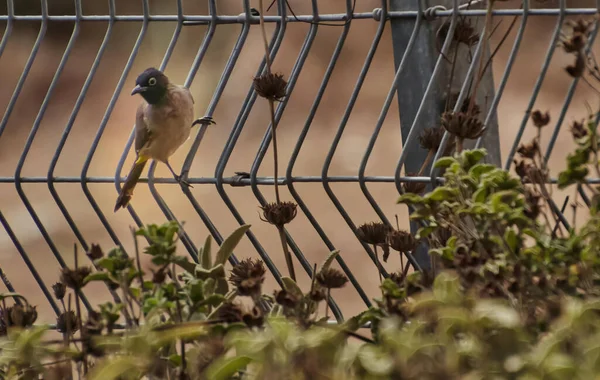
(138, 89)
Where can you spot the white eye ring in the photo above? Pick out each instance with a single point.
(152, 81)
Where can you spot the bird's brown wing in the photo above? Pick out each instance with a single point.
(142, 133)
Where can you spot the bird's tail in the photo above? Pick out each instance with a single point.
(132, 179)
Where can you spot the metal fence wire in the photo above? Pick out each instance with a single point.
(421, 41)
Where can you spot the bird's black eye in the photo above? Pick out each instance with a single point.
(152, 81)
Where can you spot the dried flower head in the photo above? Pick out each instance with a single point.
(462, 126)
(95, 252)
(431, 138)
(331, 278)
(317, 294)
(532, 204)
(578, 130)
(540, 119)
(248, 277)
(529, 150)
(73, 278)
(22, 315)
(59, 290)
(94, 324)
(573, 44)
(229, 312)
(270, 86)
(402, 241)
(279, 214)
(67, 323)
(159, 276)
(374, 233)
(413, 187)
(254, 317)
(286, 299)
(577, 69)
(522, 168)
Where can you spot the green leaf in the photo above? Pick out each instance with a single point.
(291, 287)
(115, 368)
(197, 292)
(184, 263)
(97, 276)
(218, 271)
(205, 254)
(472, 156)
(410, 198)
(225, 368)
(214, 300)
(222, 286)
(478, 170)
(175, 360)
(327, 263)
(442, 194)
(444, 162)
(229, 244)
(107, 263)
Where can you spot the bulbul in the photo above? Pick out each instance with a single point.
(163, 123)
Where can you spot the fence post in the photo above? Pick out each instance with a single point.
(415, 79)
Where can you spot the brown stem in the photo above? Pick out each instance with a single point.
(488, 23)
(459, 144)
(379, 269)
(286, 253)
(430, 155)
(275, 155)
(79, 317)
(327, 304)
(264, 35)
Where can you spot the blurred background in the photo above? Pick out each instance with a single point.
(537, 36)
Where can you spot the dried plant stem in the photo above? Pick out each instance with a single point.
(327, 303)
(487, 25)
(430, 155)
(275, 154)
(79, 316)
(459, 144)
(286, 253)
(264, 35)
(5, 315)
(379, 269)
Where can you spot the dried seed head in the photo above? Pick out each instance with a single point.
(578, 130)
(462, 126)
(574, 44)
(402, 241)
(279, 214)
(522, 168)
(577, 69)
(374, 233)
(540, 119)
(286, 299)
(22, 316)
(248, 277)
(94, 324)
(331, 278)
(229, 312)
(431, 138)
(253, 318)
(413, 187)
(159, 277)
(95, 252)
(73, 278)
(530, 150)
(317, 294)
(270, 86)
(59, 290)
(67, 323)
(532, 204)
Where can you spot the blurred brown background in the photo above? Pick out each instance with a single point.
(347, 159)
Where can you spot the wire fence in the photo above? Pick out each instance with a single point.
(420, 86)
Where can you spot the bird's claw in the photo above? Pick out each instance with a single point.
(206, 120)
(182, 181)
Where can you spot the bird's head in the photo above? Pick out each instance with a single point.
(152, 85)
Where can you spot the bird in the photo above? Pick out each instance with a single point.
(163, 123)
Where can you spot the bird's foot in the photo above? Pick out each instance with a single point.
(206, 120)
(182, 181)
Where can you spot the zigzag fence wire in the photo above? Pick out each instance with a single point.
(411, 24)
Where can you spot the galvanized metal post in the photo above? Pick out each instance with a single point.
(416, 77)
